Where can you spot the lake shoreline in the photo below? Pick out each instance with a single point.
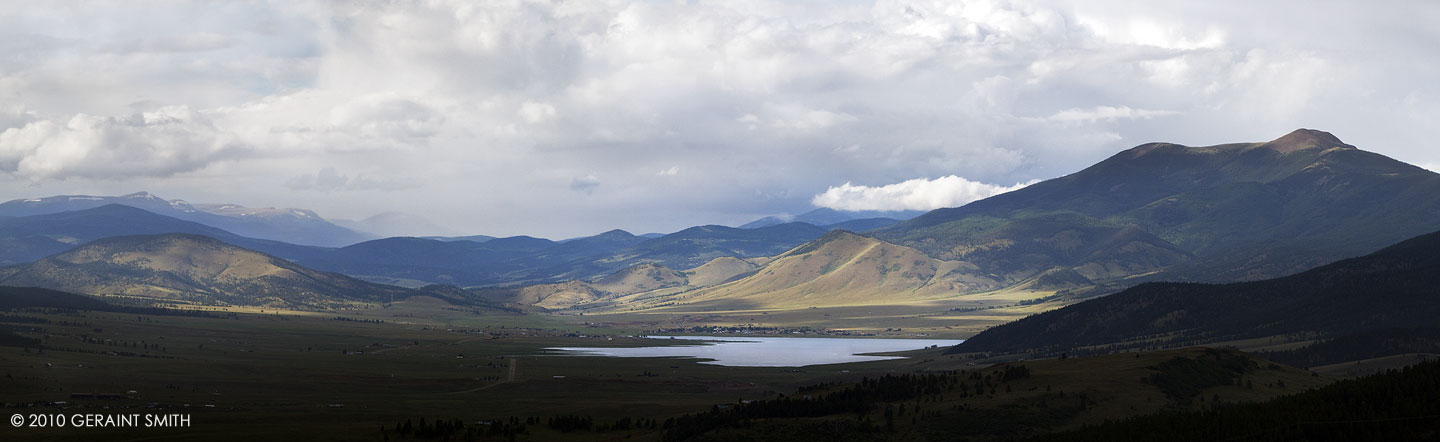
(735, 351)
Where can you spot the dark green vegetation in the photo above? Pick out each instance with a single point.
(410, 372)
(1218, 213)
(32, 299)
(1362, 345)
(1001, 402)
(1395, 287)
(15, 298)
(1182, 379)
(860, 399)
(1394, 406)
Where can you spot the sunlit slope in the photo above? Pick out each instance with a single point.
(193, 269)
(842, 268)
(637, 279)
(719, 270)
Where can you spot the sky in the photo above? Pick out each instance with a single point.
(563, 119)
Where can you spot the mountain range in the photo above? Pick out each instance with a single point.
(524, 259)
(295, 226)
(30, 238)
(855, 221)
(1159, 211)
(1216, 213)
(417, 262)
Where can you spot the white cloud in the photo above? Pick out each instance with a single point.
(1106, 114)
(386, 117)
(916, 194)
(672, 171)
(534, 112)
(193, 42)
(331, 180)
(161, 143)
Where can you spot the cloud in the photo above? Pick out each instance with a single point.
(386, 117)
(916, 194)
(672, 171)
(330, 180)
(194, 42)
(165, 142)
(533, 112)
(766, 103)
(584, 184)
(1106, 114)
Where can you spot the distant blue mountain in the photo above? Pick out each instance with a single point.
(827, 217)
(295, 226)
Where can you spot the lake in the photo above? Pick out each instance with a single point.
(765, 351)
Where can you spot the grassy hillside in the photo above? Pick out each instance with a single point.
(194, 269)
(719, 270)
(843, 268)
(637, 279)
(695, 246)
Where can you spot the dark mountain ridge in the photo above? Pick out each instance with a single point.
(1392, 288)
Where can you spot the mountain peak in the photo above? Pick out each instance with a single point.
(616, 233)
(1302, 139)
(141, 195)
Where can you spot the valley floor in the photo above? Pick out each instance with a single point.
(362, 375)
